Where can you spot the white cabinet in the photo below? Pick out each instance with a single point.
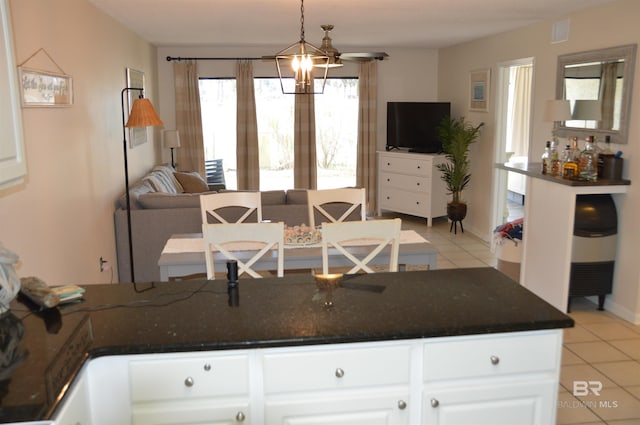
(491, 381)
(504, 378)
(410, 183)
(189, 389)
(351, 384)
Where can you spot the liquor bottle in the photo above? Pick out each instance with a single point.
(555, 159)
(605, 152)
(546, 159)
(570, 167)
(588, 162)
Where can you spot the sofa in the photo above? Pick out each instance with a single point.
(166, 202)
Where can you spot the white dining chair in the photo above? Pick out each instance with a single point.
(319, 201)
(228, 238)
(239, 205)
(380, 233)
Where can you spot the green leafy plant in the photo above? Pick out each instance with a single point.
(456, 135)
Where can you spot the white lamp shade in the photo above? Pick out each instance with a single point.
(557, 110)
(171, 139)
(587, 110)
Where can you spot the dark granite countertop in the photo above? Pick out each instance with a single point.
(43, 351)
(533, 169)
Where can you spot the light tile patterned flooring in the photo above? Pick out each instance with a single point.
(601, 347)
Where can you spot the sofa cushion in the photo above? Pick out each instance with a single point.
(159, 200)
(273, 197)
(191, 182)
(162, 180)
(297, 196)
(135, 192)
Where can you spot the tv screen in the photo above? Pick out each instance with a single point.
(414, 125)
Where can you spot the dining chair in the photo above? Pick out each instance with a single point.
(324, 204)
(229, 238)
(231, 207)
(379, 232)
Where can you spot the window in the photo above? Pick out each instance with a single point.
(336, 131)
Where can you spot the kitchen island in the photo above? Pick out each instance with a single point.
(409, 347)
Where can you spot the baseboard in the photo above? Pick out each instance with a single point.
(618, 310)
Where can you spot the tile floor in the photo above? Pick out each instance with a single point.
(601, 348)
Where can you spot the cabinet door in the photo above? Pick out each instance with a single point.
(75, 409)
(353, 409)
(528, 403)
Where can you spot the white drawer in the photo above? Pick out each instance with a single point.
(175, 378)
(394, 164)
(403, 181)
(491, 356)
(330, 369)
(404, 201)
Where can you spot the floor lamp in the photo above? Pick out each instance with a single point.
(142, 115)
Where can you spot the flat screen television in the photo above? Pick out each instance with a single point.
(414, 125)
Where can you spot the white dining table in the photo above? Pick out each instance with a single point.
(183, 255)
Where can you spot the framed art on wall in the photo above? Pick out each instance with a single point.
(45, 88)
(135, 79)
(479, 90)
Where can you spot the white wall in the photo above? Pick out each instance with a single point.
(60, 220)
(606, 26)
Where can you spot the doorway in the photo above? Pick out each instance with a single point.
(515, 97)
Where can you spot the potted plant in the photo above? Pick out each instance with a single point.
(456, 135)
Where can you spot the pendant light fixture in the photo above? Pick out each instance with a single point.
(296, 65)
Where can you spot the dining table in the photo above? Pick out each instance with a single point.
(183, 255)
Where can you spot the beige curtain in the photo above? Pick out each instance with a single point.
(367, 122)
(608, 94)
(521, 111)
(304, 143)
(190, 155)
(247, 150)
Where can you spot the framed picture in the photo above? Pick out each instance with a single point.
(135, 79)
(45, 88)
(479, 90)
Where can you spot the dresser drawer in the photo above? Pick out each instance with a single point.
(332, 369)
(406, 182)
(491, 356)
(404, 201)
(421, 167)
(175, 377)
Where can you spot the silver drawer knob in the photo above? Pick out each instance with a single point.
(188, 382)
(240, 417)
(402, 404)
(207, 367)
(435, 402)
(495, 360)
(339, 373)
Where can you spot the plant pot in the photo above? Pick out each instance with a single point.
(456, 211)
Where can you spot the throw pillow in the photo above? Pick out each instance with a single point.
(191, 182)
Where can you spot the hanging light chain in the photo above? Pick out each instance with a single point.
(302, 20)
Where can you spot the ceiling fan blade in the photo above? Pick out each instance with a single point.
(362, 57)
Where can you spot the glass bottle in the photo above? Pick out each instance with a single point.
(588, 162)
(546, 159)
(570, 166)
(555, 159)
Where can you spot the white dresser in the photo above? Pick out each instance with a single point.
(410, 183)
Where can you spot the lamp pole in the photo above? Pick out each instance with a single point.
(126, 179)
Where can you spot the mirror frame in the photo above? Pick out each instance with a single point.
(626, 52)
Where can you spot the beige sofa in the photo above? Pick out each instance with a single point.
(161, 208)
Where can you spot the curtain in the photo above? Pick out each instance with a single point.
(190, 155)
(304, 143)
(608, 94)
(247, 150)
(521, 111)
(367, 122)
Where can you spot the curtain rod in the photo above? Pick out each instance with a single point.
(169, 59)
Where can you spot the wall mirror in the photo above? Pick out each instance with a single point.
(598, 84)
